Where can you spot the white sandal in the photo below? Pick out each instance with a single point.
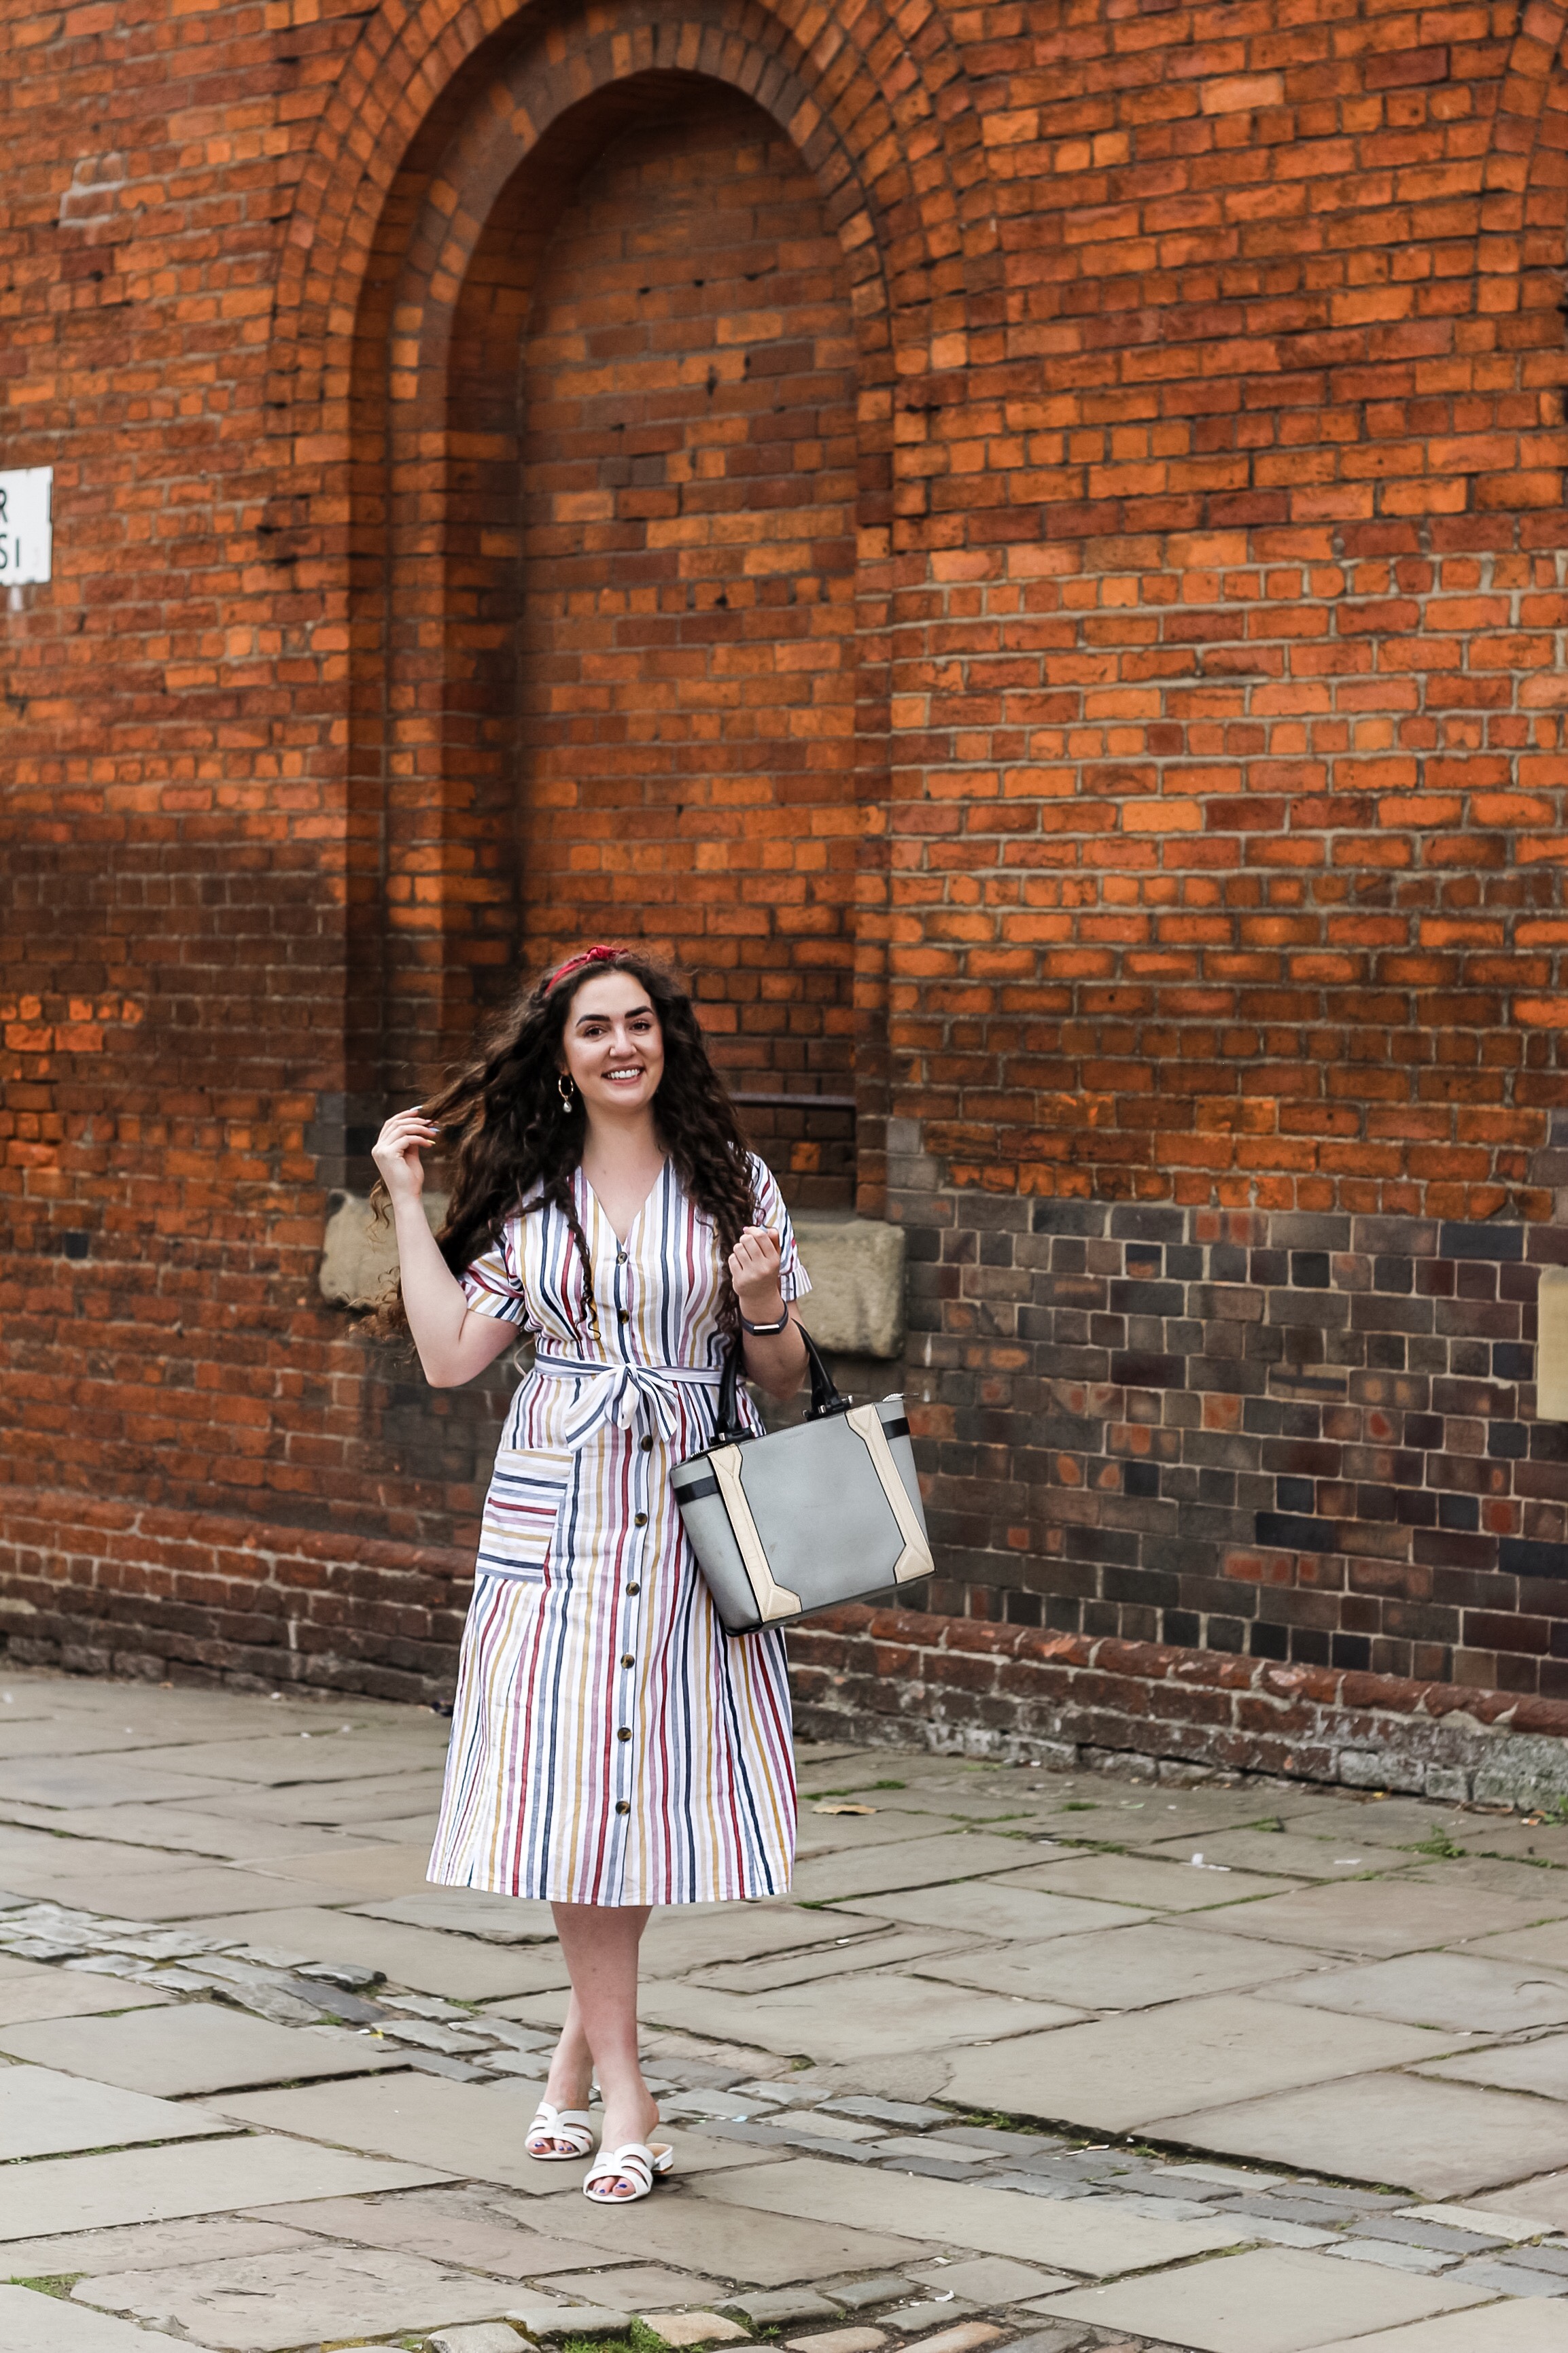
(635, 2161)
(571, 2125)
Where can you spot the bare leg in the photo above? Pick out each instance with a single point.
(570, 2083)
(599, 1945)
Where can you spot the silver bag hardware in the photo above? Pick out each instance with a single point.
(801, 1518)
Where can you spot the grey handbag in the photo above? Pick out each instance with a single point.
(803, 1518)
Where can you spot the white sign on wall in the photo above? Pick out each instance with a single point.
(25, 537)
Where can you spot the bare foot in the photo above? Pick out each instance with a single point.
(569, 2085)
(632, 2117)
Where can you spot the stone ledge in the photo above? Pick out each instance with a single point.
(855, 1305)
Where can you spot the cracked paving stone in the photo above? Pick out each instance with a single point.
(687, 2328)
(777, 2307)
(543, 2321)
(261, 2303)
(839, 2340)
(865, 2295)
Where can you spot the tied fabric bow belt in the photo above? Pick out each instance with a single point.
(619, 1392)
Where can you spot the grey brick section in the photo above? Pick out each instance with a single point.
(1308, 1438)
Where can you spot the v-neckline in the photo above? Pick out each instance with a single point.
(623, 1241)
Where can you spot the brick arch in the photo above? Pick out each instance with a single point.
(1523, 113)
(886, 85)
(433, 388)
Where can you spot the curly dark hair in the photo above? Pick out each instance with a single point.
(515, 1144)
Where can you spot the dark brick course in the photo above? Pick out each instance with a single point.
(1372, 1434)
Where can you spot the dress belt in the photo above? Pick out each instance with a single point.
(618, 1392)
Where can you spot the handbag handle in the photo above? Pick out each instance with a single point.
(825, 1397)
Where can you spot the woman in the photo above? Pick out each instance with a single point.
(612, 1746)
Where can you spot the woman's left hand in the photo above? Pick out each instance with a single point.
(755, 1273)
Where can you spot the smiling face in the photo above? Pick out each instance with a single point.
(612, 1048)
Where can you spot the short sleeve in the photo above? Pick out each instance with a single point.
(493, 1284)
(771, 1212)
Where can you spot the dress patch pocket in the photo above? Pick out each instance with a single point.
(527, 1491)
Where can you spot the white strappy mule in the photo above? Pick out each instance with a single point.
(572, 2125)
(635, 2161)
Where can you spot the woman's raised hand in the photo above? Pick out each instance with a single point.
(396, 1150)
(755, 1274)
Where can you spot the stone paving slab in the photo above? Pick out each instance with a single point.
(841, 2020)
(471, 2225)
(196, 2047)
(763, 2247)
(913, 1863)
(1122, 1968)
(1440, 2140)
(371, 1797)
(1293, 1853)
(987, 2279)
(898, 1948)
(1443, 1990)
(184, 1830)
(1379, 1917)
(147, 2246)
(328, 1755)
(464, 1911)
(102, 1781)
(1499, 2329)
(1120, 2074)
(418, 1957)
(363, 1873)
(1120, 1813)
(259, 2304)
(681, 1936)
(31, 2323)
(1520, 1841)
(43, 2113)
(470, 2129)
(1487, 1874)
(1156, 1880)
(29, 1990)
(1276, 2300)
(49, 1735)
(43, 1854)
(991, 1907)
(1081, 2235)
(196, 1892)
(638, 2287)
(1543, 2196)
(89, 2193)
(1544, 1943)
(825, 1831)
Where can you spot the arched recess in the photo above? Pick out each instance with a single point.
(452, 640)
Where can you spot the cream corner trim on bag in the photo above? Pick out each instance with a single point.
(776, 1601)
(915, 1559)
(772, 1600)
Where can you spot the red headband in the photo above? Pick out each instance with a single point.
(601, 952)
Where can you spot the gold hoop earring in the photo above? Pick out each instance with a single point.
(564, 1088)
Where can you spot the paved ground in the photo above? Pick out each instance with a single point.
(1033, 2062)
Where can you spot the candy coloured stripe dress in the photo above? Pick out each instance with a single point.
(611, 1744)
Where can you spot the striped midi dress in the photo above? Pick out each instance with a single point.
(611, 1743)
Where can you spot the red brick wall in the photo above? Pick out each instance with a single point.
(1191, 577)
(689, 562)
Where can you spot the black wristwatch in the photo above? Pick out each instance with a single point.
(767, 1330)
